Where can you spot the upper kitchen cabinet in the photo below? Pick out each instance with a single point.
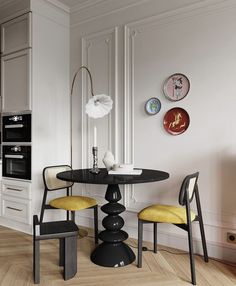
(16, 81)
(16, 34)
(16, 64)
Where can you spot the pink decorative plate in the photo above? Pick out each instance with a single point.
(176, 87)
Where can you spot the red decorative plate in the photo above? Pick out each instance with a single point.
(176, 121)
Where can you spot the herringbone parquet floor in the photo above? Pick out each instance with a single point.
(163, 269)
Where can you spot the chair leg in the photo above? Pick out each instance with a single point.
(36, 261)
(191, 255)
(190, 240)
(140, 242)
(96, 223)
(61, 251)
(204, 246)
(67, 215)
(67, 212)
(70, 257)
(73, 216)
(201, 225)
(155, 237)
(43, 206)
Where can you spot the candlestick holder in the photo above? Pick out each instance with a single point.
(95, 169)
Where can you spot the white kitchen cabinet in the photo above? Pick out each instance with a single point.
(0, 186)
(16, 188)
(35, 79)
(16, 34)
(16, 209)
(16, 81)
(16, 200)
(0, 174)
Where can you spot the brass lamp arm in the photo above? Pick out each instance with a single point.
(90, 77)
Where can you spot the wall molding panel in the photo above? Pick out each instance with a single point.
(100, 50)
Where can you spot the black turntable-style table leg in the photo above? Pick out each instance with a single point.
(113, 252)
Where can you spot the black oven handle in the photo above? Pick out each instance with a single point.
(14, 126)
(14, 156)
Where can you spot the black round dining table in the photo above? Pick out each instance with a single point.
(113, 251)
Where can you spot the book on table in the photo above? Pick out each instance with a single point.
(125, 172)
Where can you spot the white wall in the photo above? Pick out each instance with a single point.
(130, 53)
(51, 98)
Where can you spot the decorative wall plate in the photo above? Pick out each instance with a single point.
(176, 87)
(176, 121)
(153, 106)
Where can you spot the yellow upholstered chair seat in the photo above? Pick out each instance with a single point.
(73, 203)
(165, 214)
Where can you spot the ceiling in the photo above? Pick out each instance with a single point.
(78, 4)
(5, 2)
(70, 3)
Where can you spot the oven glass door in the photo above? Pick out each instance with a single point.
(17, 128)
(15, 133)
(17, 164)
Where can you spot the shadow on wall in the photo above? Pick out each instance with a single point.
(228, 187)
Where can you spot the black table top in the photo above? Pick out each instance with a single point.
(84, 176)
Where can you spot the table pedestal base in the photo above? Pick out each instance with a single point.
(113, 252)
(113, 255)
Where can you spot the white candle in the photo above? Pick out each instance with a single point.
(95, 136)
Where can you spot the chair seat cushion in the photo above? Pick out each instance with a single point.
(57, 229)
(73, 203)
(165, 214)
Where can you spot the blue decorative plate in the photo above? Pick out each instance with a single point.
(153, 106)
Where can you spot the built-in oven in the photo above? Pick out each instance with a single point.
(16, 161)
(16, 128)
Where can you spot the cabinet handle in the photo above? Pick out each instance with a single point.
(14, 156)
(14, 209)
(13, 189)
(14, 126)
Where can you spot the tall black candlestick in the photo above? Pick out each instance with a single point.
(95, 169)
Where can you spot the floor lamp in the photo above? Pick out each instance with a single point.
(98, 106)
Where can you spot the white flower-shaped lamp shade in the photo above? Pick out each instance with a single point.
(98, 106)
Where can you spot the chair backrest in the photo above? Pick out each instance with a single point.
(189, 185)
(51, 182)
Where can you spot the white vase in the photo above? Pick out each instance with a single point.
(108, 160)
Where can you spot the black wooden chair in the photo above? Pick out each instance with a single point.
(70, 203)
(179, 216)
(66, 232)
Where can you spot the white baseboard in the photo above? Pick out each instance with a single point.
(16, 225)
